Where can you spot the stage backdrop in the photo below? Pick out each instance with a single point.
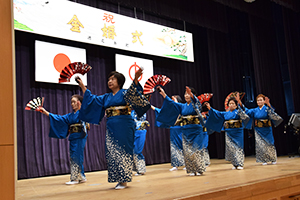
(224, 55)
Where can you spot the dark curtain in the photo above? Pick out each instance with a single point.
(268, 74)
(229, 44)
(292, 32)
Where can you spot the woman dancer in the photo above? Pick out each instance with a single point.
(234, 130)
(176, 149)
(190, 122)
(120, 126)
(63, 125)
(264, 140)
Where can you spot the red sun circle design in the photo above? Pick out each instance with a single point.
(60, 61)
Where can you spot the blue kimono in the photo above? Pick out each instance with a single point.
(205, 141)
(59, 126)
(264, 140)
(120, 129)
(192, 138)
(234, 137)
(139, 164)
(176, 149)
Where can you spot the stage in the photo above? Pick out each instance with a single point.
(280, 181)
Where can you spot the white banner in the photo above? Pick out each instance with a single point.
(50, 60)
(128, 65)
(72, 21)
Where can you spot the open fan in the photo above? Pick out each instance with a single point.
(154, 81)
(35, 104)
(71, 69)
(232, 94)
(205, 97)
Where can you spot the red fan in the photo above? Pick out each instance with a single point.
(232, 94)
(71, 69)
(205, 97)
(154, 81)
(35, 104)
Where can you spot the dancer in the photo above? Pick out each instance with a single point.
(63, 125)
(139, 164)
(203, 98)
(234, 131)
(176, 149)
(192, 139)
(264, 140)
(120, 126)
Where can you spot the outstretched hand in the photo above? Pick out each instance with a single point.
(189, 92)
(238, 98)
(161, 91)
(138, 74)
(43, 111)
(267, 101)
(207, 105)
(80, 83)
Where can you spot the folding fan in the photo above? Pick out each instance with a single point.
(35, 104)
(205, 97)
(71, 69)
(154, 81)
(232, 94)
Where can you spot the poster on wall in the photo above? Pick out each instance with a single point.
(77, 22)
(51, 59)
(128, 65)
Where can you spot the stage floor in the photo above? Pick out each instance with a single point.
(160, 183)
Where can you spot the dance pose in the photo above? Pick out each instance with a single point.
(63, 125)
(264, 140)
(191, 128)
(120, 126)
(233, 121)
(139, 164)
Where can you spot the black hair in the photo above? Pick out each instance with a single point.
(79, 97)
(178, 98)
(232, 99)
(193, 91)
(119, 76)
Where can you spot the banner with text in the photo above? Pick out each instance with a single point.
(77, 22)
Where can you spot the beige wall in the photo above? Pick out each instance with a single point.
(7, 102)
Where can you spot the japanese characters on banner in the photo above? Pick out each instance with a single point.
(69, 20)
(128, 65)
(51, 59)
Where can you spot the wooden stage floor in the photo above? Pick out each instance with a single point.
(218, 182)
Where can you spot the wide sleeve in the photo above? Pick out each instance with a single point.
(157, 123)
(59, 126)
(215, 121)
(136, 99)
(250, 113)
(198, 107)
(274, 117)
(243, 116)
(169, 112)
(92, 108)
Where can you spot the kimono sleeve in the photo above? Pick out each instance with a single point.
(92, 108)
(274, 117)
(215, 121)
(169, 112)
(250, 113)
(59, 126)
(157, 123)
(198, 107)
(243, 116)
(136, 99)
